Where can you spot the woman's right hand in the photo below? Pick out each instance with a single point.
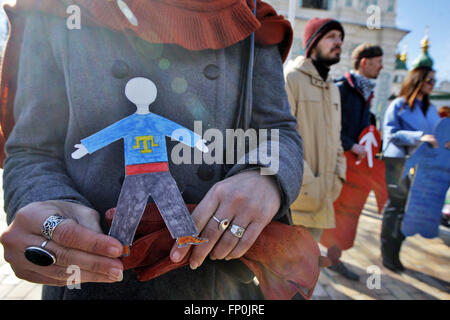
(430, 139)
(77, 241)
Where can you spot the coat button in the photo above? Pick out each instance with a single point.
(212, 72)
(205, 172)
(120, 69)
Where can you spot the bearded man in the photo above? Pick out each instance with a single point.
(315, 101)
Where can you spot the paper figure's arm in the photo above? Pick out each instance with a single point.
(369, 140)
(179, 133)
(100, 139)
(415, 158)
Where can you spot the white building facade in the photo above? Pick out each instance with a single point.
(371, 21)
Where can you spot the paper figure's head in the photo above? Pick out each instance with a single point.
(442, 132)
(141, 91)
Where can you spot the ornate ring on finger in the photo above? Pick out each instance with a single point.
(50, 224)
(237, 231)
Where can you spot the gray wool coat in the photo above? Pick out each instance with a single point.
(71, 85)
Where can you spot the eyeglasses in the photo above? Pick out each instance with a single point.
(431, 81)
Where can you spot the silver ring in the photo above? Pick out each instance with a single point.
(223, 225)
(44, 244)
(39, 255)
(237, 231)
(50, 224)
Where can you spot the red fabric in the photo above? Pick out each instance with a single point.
(360, 181)
(192, 24)
(146, 168)
(285, 259)
(274, 30)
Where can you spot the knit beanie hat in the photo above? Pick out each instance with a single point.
(315, 29)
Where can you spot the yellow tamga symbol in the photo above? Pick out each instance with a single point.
(145, 147)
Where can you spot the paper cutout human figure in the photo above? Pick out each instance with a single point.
(361, 179)
(147, 170)
(369, 141)
(429, 186)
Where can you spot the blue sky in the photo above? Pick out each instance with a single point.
(415, 15)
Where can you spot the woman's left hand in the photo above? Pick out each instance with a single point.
(248, 200)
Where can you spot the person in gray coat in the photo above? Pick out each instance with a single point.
(71, 85)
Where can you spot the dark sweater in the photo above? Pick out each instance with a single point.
(322, 69)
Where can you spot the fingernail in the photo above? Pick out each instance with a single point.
(116, 274)
(114, 252)
(176, 256)
(193, 266)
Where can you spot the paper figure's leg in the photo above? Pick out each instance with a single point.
(130, 208)
(170, 203)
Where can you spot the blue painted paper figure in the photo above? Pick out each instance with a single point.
(430, 185)
(147, 170)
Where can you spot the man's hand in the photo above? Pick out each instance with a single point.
(80, 152)
(359, 151)
(248, 200)
(78, 241)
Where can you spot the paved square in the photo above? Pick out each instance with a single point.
(427, 261)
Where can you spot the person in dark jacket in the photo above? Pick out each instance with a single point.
(356, 89)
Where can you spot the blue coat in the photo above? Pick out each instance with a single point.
(71, 85)
(403, 128)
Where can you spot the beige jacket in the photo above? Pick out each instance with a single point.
(317, 107)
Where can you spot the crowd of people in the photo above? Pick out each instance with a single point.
(325, 114)
(60, 85)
